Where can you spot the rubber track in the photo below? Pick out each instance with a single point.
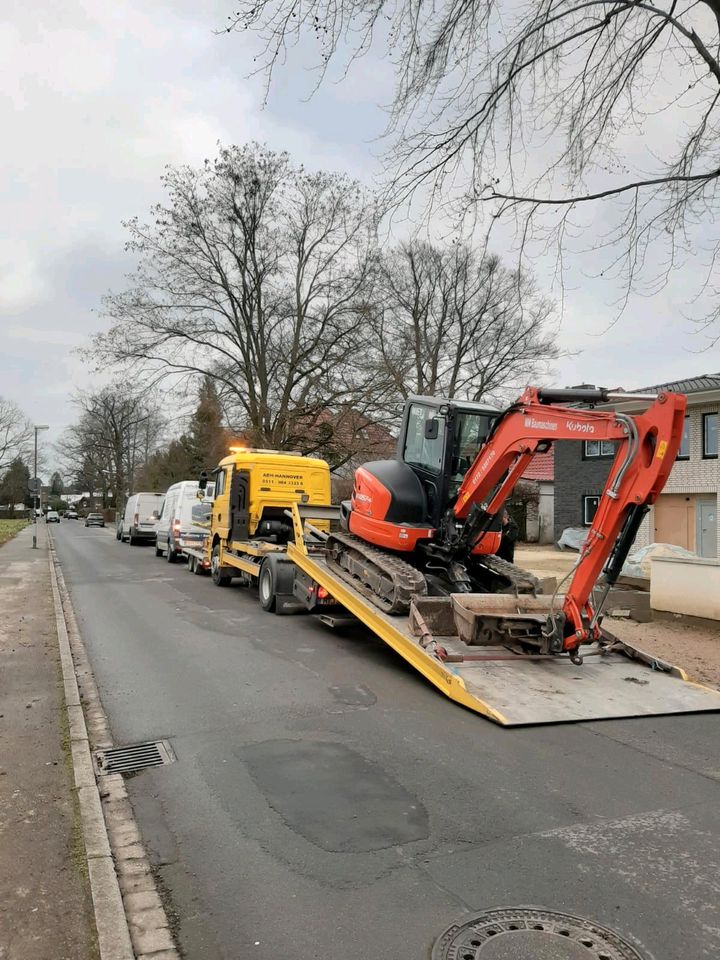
(407, 580)
(520, 580)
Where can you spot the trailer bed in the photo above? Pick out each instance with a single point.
(513, 691)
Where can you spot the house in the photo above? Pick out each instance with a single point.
(686, 512)
(540, 515)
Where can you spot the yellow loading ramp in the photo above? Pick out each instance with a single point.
(516, 692)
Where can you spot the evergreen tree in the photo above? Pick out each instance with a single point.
(206, 440)
(56, 485)
(14, 487)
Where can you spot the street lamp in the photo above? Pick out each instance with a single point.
(40, 426)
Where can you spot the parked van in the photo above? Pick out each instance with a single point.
(139, 521)
(175, 528)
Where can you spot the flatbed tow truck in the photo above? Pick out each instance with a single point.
(271, 524)
(614, 680)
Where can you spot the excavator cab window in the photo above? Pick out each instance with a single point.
(425, 439)
(471, 431)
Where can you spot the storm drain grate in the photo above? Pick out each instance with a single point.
(530, 933)
(133, 758)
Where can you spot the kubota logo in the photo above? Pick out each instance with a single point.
(579, 427)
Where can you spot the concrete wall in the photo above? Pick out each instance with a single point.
(691, 587)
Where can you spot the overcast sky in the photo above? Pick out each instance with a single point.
(99, 97)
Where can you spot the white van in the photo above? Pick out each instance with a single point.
(139, 521)
(175, 527)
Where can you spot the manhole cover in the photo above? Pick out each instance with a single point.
(133, 758)
(530, 933)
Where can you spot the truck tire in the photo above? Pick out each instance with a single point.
(133, 541)
(191, 564)
(158, 550)
(171, 554)
(219, 578)
(267, 587)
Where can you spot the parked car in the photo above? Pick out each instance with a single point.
(52, 516)
(175, 527)
(139, 521)
(94, 520)
(71, 515)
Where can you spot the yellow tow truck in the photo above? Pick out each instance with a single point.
(249, 525)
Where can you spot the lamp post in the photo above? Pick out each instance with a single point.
(41, 426)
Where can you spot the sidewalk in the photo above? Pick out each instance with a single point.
(45, 905)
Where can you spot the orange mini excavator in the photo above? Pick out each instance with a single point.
(428, 522)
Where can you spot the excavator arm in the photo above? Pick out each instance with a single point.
(646, 446)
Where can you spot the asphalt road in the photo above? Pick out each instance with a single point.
(328, 802)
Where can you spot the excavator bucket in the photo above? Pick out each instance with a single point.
(486, 619)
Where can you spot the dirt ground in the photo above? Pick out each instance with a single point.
(691, 644)
(45, 906)
(545, 561)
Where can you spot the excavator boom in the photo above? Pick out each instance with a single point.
(645, 449)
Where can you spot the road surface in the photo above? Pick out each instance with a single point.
(328, 802)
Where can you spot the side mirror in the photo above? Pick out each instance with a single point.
(203, 481)
(432, 428)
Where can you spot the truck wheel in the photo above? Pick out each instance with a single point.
(158, 550)
(171, 554)
(191, 564)
(132, 540)
(266, 587)
(198, 568)
(218, 577)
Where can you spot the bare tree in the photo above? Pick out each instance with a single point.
(455, 322)
(15, 433)
(116, 433)
(254, 274)
(544, 110)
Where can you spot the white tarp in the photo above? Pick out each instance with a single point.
(572, 538)
(638, 563)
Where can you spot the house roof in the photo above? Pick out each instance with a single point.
(542, 467)
(706, 381)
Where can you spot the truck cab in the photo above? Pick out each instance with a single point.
(254, 488)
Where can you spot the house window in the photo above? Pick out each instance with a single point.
(710, 436)
(684, 451)
(590, 503)
(598, 449)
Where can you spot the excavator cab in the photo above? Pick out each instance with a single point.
(439, 440)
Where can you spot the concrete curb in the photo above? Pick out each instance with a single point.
(130, 918)
(112, 927)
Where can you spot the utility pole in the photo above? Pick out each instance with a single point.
(36, 484)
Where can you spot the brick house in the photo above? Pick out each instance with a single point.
(686, 511)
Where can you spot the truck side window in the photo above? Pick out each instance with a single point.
(419, 450)
(220, 482)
